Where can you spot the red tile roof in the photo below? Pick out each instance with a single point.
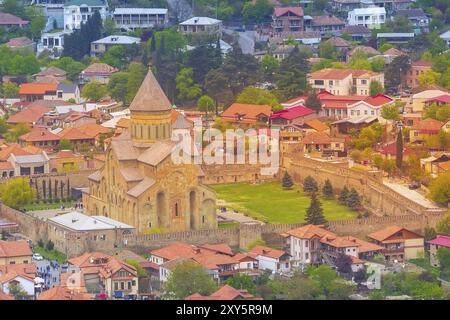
(445, 98)
(428, 126)
(292, 113)
(421, 63)
(37, 88)
(13, 148)
(267, 252)
(391, 149)
(93, 130)
(99, 69)
(388, 232)
(317, 138)
(225, 293)
(31, 115)
(39, 134)
(74, 134)
(10, 19)
(317, 125)
(18, 248)
(440, 240)
(249, 112)
(279, 11)
(378, 100)
(326, 21)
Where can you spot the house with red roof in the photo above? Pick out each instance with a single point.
(37, 91)
(295, 115)
(77, 137)
(224, 293)
(440, 241)
(423, 129)
(323, 143)
(40, 137)
(274, 260)
(243, 113)
(389, 151)
(439, 100)
(31, 115)
(410, 78)
(287, 19)
(8, 21)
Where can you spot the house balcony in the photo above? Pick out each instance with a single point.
(393, 251)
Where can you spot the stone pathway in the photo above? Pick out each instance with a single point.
(49, 213)
(411, 194)
(235, 216)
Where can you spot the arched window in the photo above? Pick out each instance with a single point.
(176, 209)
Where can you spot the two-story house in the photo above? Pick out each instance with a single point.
(399, 244)
(372, 17)
(287, 19)
(247, 113)
(77, 12)
(15, 252)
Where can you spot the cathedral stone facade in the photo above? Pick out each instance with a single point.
(139, 184)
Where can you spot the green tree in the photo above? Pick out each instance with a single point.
(270, 66)
(313, 102)
(16, 131)
(65, 144)
(291, 78)
(310, 185)
(38, 20)
(94, 91)
(399, 147)
(217, 88)
(400, 24)
(327, 50)
(440, 188)
(109, 26)
(385, 47)
(136, 74)
(314, 214)
(377, 64)
(375, 88)
(187, 89)
(71, 66)
(17, 192)
(10, 90)
(443, 225)
(344, 263)
(253, 95)
(50, 245)
(116, 56)
(390, 112)
(141, 271)
(287, 182)
(205, 104)
(17, 291)
(117, 86)
(327, 189)
(394, 72)
(429, 78)
(242, 282)
(353, 199)
(343, 195)
(187, 278)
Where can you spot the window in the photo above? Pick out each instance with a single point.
(129, 285)
(306, 243)
(319, 82)
(306, 256)
(122, 286)
(330, 82)
(116, 286)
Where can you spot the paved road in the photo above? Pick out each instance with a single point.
(48, 273)
(411, 194)
(235, 216)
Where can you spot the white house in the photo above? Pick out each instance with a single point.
(274, 260)
(25, 282)
(77, 12)
(132, 18)
(446, 37)
(372, 17)
(201, 25)
(51, 41)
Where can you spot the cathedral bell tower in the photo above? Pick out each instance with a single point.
(150, 113)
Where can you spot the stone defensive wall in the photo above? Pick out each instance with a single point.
(240, 236)
(378, 198)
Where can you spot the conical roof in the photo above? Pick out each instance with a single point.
(150, 96)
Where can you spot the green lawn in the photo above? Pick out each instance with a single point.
(45, 206)
(270, 203)
(51, 255)
(228, 225)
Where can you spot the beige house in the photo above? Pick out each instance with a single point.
(419, 99)
(343, 82)
(15, 252)
(399, 243)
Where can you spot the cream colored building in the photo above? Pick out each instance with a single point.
(139, 184)
(418, 99)
(344, 82)
(15, 252)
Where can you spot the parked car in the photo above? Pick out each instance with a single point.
(37, 257)
(414, 185)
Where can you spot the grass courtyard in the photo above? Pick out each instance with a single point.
(268, 202)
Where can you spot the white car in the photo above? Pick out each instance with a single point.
(37, 257)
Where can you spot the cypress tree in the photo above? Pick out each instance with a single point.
(353, 199)
(56, 189)
(68, 189)
(44, 189)
(287, 181)
(399, 149)
(50, 195)
(343, 195)
(313, 102)
(314, 214)
(310, 185)
(327, 189)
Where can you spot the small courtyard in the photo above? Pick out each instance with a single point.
(270, 203)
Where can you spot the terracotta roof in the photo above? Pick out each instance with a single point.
(73, 134)
(102, 264)
(4, 296)
(37, 88)
(444, 165)
(378, 100)
(317, 138)
(39, 134)
(66, 154)
(421, 63)
(224, 293)
(218, 247)
(309, 231)
(126, 254)
(31, 114)
(18, 248)
(19, 42)
(317, 125)
(385, 233)
(428, 125)
(338, 242)
(4, 165)
(13, 148)
(267, 252)
(10, 19)
(65, 293)
(355, 30)
(391, 149)
(279, 11)
(329, 73)
(213, 261)
(247, 111)
(123, 123)
(292, 113)
(52, 71)
(174, 251)
(93, 130)
(367, 50)
(27, 270)
(99, 68)
(150, 96)
(339, 42)
(326, 21)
